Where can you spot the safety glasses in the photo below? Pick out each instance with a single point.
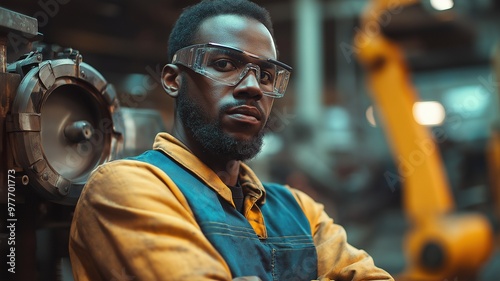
(229, 66)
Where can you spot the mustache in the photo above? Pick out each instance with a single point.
(253, 103)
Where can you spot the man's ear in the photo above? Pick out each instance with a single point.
(171, 79)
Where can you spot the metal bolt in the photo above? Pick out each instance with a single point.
(25, 180)
(79, 131)
(63, 190)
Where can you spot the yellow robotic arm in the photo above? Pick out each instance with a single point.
(440, 244)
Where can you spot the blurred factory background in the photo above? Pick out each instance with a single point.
(328, 136)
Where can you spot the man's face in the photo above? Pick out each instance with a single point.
(227, 120)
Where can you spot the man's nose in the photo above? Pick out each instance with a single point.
(249, 84)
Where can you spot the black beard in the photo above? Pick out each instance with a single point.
(210, 135)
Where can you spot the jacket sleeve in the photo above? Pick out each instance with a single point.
(337, 259)
(134, 224)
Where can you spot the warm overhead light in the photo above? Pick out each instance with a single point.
(429, 113)
(442, 5)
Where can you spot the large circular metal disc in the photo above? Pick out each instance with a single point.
(65, 121)
(73, 156)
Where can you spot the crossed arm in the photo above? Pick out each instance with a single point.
(134, 224)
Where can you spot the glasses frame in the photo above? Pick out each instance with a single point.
(193, 57)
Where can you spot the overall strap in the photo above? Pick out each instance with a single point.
(288, 251)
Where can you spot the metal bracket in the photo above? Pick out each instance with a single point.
(23, 122)
(25, 63)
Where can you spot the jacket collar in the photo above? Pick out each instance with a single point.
(184, 157)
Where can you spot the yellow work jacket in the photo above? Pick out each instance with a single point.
(133, 223)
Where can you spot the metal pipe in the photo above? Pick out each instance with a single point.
(309, 68)
(3, 54)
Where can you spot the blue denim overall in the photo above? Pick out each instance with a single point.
(288, 253)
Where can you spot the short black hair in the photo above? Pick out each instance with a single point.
(187, 25)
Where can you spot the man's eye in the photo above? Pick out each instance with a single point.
(266, 77)
(223, 65)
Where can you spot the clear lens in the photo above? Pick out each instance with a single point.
(229, 65)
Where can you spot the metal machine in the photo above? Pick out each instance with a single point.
(63, 120)
(59, 119)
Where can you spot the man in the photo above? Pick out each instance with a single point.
(190, 209)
